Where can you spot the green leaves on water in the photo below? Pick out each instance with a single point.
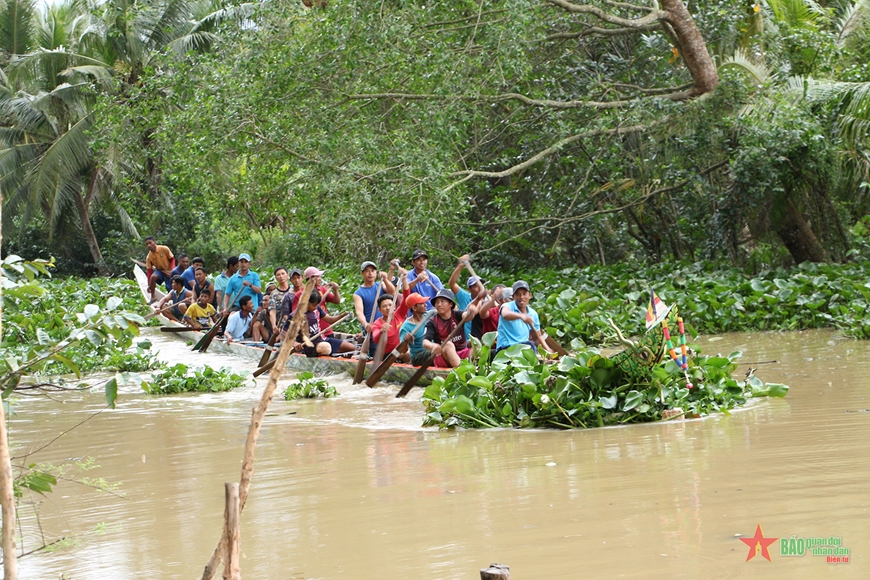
(307, 387)
(182, 379)
(586, 390)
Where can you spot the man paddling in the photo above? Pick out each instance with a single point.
(473, 327)
(282, 287)
(364, 297)
(221, 282)
(239, 322)
(245, 280)
(179, 297)
(420, 279)
(400, 313)
(412, 342)
(316, 318)
(518, 322)
(201, 314)
(160, 262)
(447, 317)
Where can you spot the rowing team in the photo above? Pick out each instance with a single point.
(399, 303)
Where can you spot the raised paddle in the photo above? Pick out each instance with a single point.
(394, 355)
(364, 349)
(385, 331)
(425, 366)
(271, 363)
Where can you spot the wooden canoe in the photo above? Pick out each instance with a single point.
(319, 366)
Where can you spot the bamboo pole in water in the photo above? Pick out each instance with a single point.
(7, 497)
(232, 569)
(256, 421)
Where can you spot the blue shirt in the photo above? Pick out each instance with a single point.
(463, 299)
(368, 298)
(429, 288)
(189, 277)
(235, 284)
(238, 326)
(515, 331)
(406, 328)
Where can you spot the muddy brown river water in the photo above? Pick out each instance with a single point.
(353, 487)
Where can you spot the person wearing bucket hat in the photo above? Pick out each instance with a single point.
(413, 341)
(473, 327)
(439, 327)
(364, 297)
(245, 282)
(420, 279)
(518, 322)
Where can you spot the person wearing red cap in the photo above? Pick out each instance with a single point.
(417, 307)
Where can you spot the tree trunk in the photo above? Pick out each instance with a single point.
(797, 235)
(7, 498)
(693, 47)
(90, 237)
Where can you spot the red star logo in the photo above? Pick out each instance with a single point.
(758, 543)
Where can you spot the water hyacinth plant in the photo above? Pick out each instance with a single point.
(307, 387)
(585, 390)
(181, 379)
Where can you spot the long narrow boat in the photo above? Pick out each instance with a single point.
(320, 366)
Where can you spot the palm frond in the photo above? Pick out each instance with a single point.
(193, 42)
(741, 61)
(15, 24)
(67, 158)
(853, 18)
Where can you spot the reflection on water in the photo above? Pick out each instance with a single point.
(352, 487)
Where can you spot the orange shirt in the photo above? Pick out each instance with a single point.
(160, 260)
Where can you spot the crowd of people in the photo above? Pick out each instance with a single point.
(395, 303)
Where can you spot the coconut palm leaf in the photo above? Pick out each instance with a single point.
(854, 17)
(15, 27)
(741, 61)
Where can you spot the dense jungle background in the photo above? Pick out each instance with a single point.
(529, 132)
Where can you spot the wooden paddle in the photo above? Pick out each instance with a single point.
(385, 331)
(270, 346)
(425, 366)
(176, 329)
(167, 307)
(394, 355)
(205, 341)
(364, 349)
(271, 363)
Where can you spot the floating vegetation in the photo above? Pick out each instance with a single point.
(584, 390)
(307, 387)
(180, 378)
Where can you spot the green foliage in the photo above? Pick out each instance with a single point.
(584, 390)
(307, 387)
(182, 379)
(52, 326)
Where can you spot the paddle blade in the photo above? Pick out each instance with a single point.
(205, 341)
(360, 367)
(556, 347)
(267, 352)
(381, 369)
(413, 381)
(264, 368)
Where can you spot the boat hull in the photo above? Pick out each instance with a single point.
(319, 366)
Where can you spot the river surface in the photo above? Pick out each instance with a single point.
(353, 487)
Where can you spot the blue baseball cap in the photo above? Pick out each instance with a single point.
(245, 257)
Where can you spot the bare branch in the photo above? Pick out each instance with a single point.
(653, 16)
(660, 91)
(590, 30)
(466, 19)
(554, 148)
